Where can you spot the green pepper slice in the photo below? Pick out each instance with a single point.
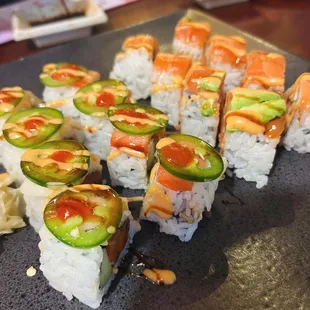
(137, 119)
(189, 158)
(61, 162)
(28, 128)
(84, 216)
(10, 98)
(96, 98)
(61, 74)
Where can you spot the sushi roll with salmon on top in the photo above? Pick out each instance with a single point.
(298, 115)
(252, 123)
(137, 129)
(50, 168)
(88, 230)
(134, 65)
(29, 128)
(167, 84)
(265, 71)
(202, 102)
(14, 99)
(93, 101)
(227, 53)
(182, 184)
(190, 38)
(62, 80)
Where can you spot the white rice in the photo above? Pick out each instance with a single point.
(134, 68)
(195, 124)
(97, 142)
(182, 48)
(297, 137)
(233, 77)
(191, 203)
(65, 94)
(78, 272)
(36, 196)
(251, 156)
(168, 101)
(128, 171)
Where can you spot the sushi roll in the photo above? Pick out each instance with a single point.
(93, 102)
(252, 123)
(190, 38)
(14, 99)
(62, 80)
(29, 128)
(201, 102)
(134, 65)
(265, 71)
(227, 53)
(87, 232)
(182, 184)
(167, 84)
(298, 115)
(50, 168)
(137, 129)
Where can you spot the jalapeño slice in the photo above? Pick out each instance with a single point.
(137, 119)
(59, 162)
(10, 97)
(62, 74)
(28, 128)
(189, 158)
(84, 216)
(96, 98)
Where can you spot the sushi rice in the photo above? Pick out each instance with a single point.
(180, 47)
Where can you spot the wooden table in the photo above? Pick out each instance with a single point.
(285, 23)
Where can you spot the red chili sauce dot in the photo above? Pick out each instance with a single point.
(62, 156)
(33, 124)
(177, 154)
(72, 207)
(105, 100)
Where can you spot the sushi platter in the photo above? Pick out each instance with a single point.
(162, 166)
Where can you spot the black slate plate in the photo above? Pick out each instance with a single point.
(253, 253)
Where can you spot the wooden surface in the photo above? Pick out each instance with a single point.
(285, 23)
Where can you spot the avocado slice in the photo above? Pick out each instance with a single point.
(207, 108)
(88, 104)
(46, 175)
(106, 269)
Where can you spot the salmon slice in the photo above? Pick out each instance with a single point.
(192, 33)
(137, 143)
(170, 181)
(226, 50)
(175, 65)
(304, 94)
(142, 41)
(265, 69)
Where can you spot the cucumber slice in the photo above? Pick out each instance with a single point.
(52, 77)
(106, 270)
(61, 151)
(190, 170)
(137, 119)
(70, 217)
(29, 128)
(96, 98)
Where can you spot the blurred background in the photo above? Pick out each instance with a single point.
(29, 26)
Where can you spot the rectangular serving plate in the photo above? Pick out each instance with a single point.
(252, 253)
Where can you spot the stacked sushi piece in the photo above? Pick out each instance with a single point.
(137, 130)
(227, 53)
(202, 102)
(134, 65)
(62, 80)
(298, 117)
(182, 184)
(29, 128)
(265, 71)
(93, 102)
(50, 168)
(167, 84)
(252, 124)
(88, 229)
(190, 38)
